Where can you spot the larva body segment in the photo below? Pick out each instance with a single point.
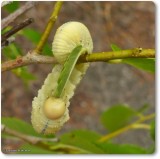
(67, 37)
(39, 121)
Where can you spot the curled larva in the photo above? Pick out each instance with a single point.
(67, 37)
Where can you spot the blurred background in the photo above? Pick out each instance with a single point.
(126, 24)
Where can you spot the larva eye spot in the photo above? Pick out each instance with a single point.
(54, 108)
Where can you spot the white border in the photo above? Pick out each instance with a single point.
(156, 155)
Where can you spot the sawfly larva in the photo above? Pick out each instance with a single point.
(50, 109)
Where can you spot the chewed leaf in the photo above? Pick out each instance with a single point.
(67, 70)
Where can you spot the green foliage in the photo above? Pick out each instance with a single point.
(5, 30)
(115, 47)
(11, 7)
(146, 64)
(24, 74)
(110, 148)
(152, 130)
(141, 63)
(73, 142)
(85, 134)
(67, 70)
(117, 116)
(34, 36)
(83, 139)
(12, 52)
(20, 126)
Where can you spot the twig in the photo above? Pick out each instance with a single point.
(126, 128)
(7, 42)
(6, 21)
(106, 56)
(15, 29)
(32, 58)
(49, 27)
(30, 139)
(27, 60)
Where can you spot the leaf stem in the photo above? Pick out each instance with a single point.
(111, 55)
(49, 27)
(141, 126)
(33, 58)
(126, 128)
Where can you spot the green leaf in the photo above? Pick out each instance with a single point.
(67, 70)
(115, 47)
(152, 130)
(32, 149)
(85, 134)
(116, 117)
(5, 30)
(146, 64)
(82, 139)
(24, 74)
(34, 36)
(20, 126)
(31, 34)
(12, 51)
(141, 63)
(11, 7)
(110, 148)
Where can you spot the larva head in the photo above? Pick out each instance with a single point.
(54, 108)
(67, 37)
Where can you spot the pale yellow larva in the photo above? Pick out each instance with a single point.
(67, 37)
